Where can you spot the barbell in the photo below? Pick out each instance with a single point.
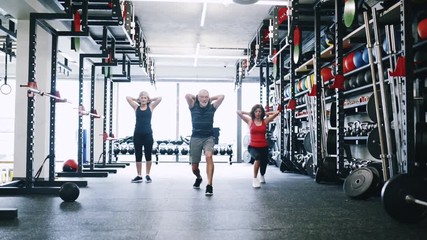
(401, 197)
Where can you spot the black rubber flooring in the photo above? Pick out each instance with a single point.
(288, 206)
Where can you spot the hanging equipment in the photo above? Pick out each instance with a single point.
(7, 46)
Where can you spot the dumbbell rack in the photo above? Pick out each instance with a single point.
(177, 149)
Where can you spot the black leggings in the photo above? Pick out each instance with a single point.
(143, 140)
(260, 154)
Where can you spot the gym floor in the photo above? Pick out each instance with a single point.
(288, 206)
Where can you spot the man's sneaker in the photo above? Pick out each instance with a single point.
(256, 183)
(261, 179)
(209, 190)
(147, 179)
(196, 184)
(137, 179)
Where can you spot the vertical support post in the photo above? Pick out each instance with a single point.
(339, 96)
(52, 109)
(29, 177)
(239, 125)
(261, 78)
(318, 62)
(92, 123)
(104, 126)
(407, 104)
(80, 119)
(177, 118)
(292, 123)
(110, 118)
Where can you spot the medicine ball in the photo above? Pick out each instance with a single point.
(422, 29)
(326, 74)
(70, 166)
(69, 192)
(349, 62)
(357, 59)
(353, 81)
(347, 84)
(360, 79)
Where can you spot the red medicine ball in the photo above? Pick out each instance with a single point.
(422, 29)
(326, 74)
(70, 166)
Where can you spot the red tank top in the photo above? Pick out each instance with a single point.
(258, 135)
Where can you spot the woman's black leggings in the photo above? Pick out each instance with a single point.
(260, 154)
(143, 140)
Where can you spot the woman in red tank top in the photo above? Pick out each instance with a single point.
(257, 120)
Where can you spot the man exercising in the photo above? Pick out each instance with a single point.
(143, 134)
(202, 108)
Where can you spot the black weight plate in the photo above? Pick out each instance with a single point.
(393, 196)
(307, 143)
(377, 183)
(320, 176)
(331, 145)
(333, 115)
(309, 167)
(358, 184)
(370, 105)
(421, 139)
(373, 143)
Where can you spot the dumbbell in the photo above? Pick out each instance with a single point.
(229, 150)
(162, 148)
(116, 148)
(215, 152)
(131, 148)
(169, 149)
(184, 150)
(123, 148)
(222, 150)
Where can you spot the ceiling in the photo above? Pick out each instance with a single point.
(182, 49)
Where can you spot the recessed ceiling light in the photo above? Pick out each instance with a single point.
(245, 1)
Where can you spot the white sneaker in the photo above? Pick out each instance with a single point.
(261, 179)
(255, 183)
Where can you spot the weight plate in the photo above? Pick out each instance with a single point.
(358, 184)
(333, 114)
(377, 183)
(246, 156)
(373, 143)
(393, 196)
(370, 105)
(309, 167)
(331, 145)
(421, 139)
(307, 143)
